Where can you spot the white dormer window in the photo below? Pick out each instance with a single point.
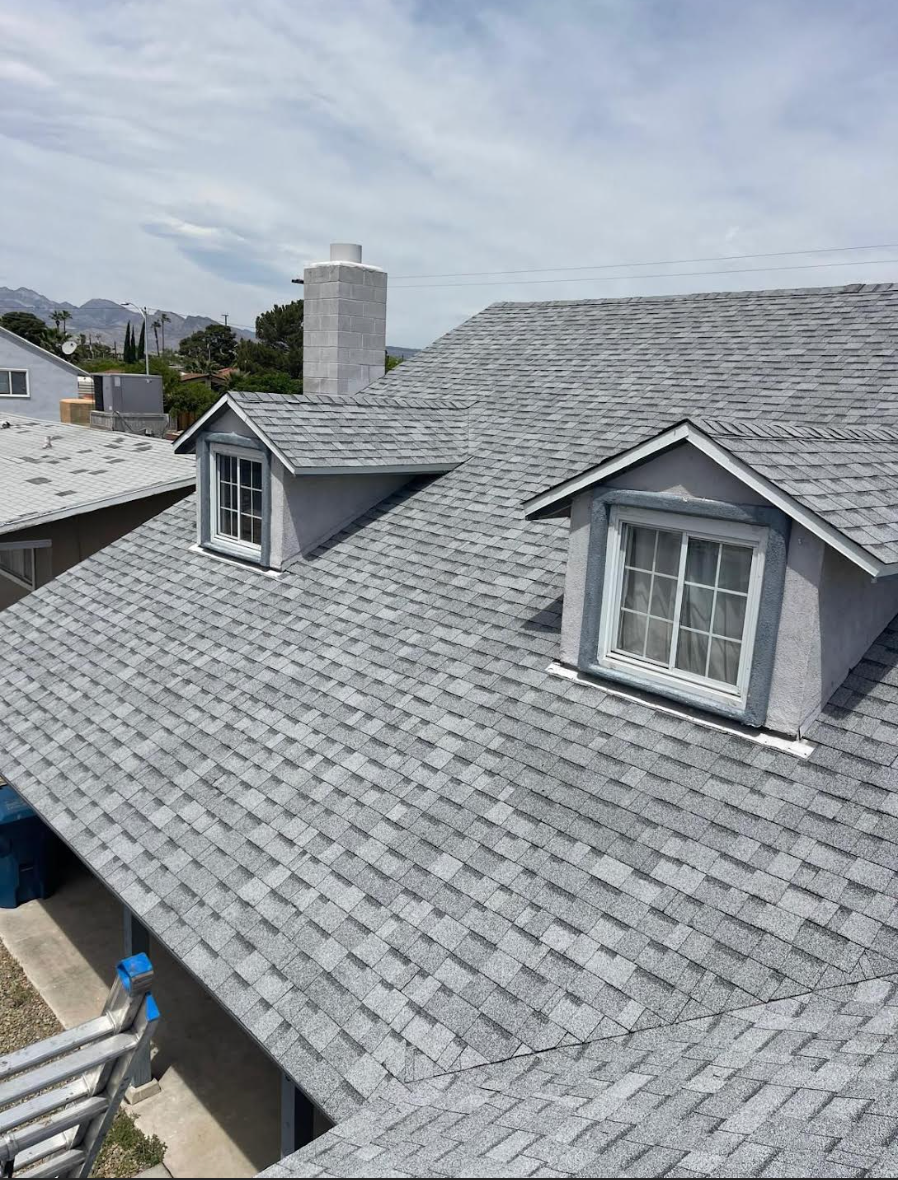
(680, 600)
(237, 513)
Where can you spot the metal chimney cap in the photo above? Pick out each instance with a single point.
(346, 252)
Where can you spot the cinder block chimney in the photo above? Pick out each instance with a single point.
(344, 322)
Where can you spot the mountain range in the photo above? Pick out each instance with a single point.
(103, 319)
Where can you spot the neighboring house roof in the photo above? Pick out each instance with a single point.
(845, 477)
(357, 804)
(335, 434)
(42, 352)
(796, 1087)
(80, 471)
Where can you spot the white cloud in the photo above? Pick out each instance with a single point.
(193, 153)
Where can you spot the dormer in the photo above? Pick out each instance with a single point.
(277, 474)
(737, 567)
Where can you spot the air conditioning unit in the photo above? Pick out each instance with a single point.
(127, 393)
(129, 402)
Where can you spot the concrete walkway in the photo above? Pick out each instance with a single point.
(219, 1105)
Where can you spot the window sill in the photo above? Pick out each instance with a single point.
(244, 563)
(797, 747)
(685, 689)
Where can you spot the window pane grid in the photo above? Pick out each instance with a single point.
(646, 619)
(691, 617)
(240, 499)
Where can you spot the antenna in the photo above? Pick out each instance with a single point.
(69, 347)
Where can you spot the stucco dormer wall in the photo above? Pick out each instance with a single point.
(308, 509)
(831, 610)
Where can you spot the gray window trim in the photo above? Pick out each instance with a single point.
(754, 711)
(205, 443)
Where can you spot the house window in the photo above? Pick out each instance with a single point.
(13, 383)
(680, 601)
(237, 510)
(18, 566)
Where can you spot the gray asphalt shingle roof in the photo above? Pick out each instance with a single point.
(801, 1087)
(357, 805)
(847, 475)
(81, 470)
(362, 431)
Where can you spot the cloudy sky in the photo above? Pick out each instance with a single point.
(193, 154)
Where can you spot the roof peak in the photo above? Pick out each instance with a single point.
(699, 296)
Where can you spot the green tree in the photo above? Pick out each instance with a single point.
(266, 381)
(272, 363)
(142, 342)
(128, 346)
(163, 320)
(157, 324)
(29, 326)
(390, 362)
(213, 347)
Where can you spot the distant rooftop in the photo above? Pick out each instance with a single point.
(80, 470)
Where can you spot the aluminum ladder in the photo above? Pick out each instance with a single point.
(58, 1097)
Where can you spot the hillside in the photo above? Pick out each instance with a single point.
(103, 319)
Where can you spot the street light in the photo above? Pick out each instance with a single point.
(146, 332)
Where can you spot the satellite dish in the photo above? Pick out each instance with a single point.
(69, 347)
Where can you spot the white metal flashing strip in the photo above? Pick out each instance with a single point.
(798, 747)
(687, 432)
(381, 469)
(243, 565)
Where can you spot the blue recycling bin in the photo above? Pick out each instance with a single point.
(27, 852)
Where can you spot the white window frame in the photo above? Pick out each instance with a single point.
(703, 528)
(27, 393)
(222, 540)
(28, 583)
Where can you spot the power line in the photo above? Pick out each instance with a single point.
(470, 274)
(670, 274)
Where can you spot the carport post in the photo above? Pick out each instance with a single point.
(137, 942)
(297, 1117)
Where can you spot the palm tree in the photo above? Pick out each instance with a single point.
(157, 324)
(59, 319)
(163, 320)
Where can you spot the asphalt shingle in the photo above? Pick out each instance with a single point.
(362, 431)
(800, 1087)
(846, 474)
(49, 470)
(354, 799)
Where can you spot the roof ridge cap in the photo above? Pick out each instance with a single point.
(785, 428)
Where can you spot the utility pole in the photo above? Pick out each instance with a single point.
(224, 316)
